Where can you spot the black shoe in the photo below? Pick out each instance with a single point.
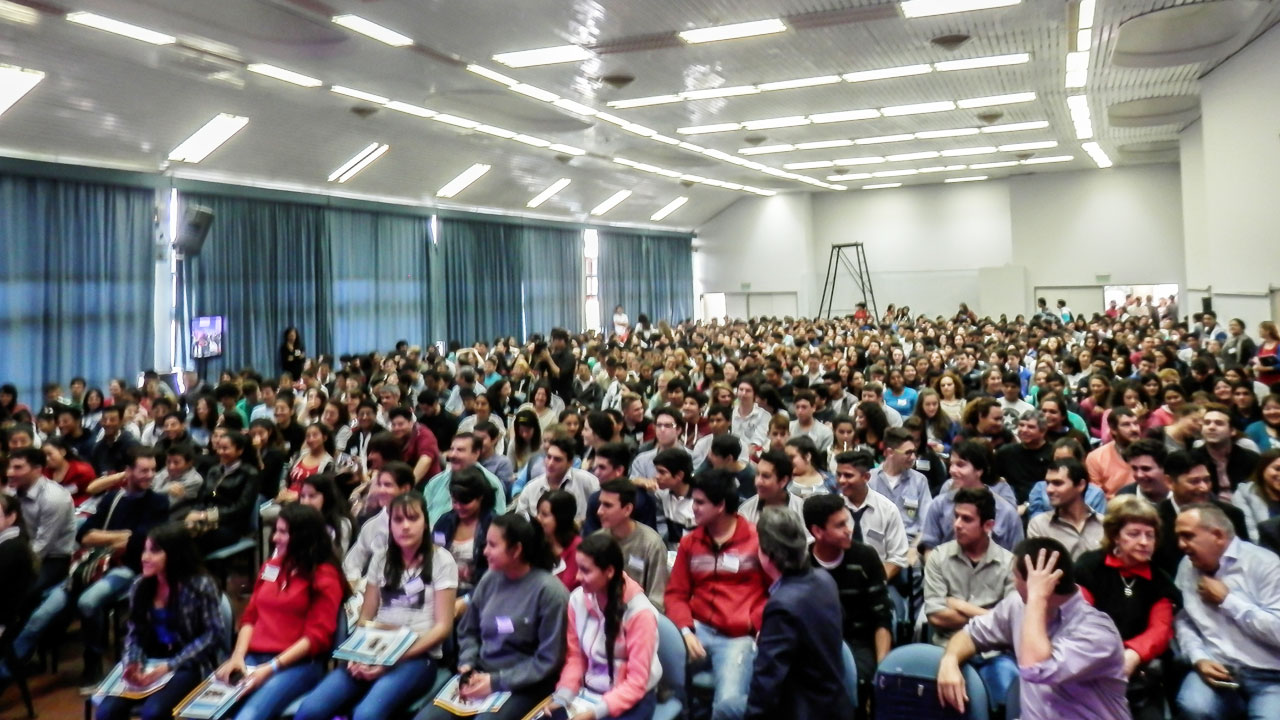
(91, 676)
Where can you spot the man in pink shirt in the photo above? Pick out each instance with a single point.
(1106, 465)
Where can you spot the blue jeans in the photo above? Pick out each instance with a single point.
(998, 673)
(732, 660)
(1258, 697)
(386, 697)
(94, 602)
(158, 706)
(281, 690)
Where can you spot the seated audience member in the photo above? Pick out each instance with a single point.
(560, 475)
(69, 428)
(395, 478)
(965, 578)
(411, 584)
(799, 665)
(1229, 625)
(612, 638)
(512, 636)
(897, 480)
(873, 518)
(1071, 522)
(717, 591)
(805, 424)
(525, 440)
(1189, 482)
(420, 448)
(63, 467)
(984, 419)
(1058, 419)
(726, 454)
(970, 462)
(174, 617)
(48, 511)
(750, 421)
(286, 631)
(1107, 466)
(366, 426)
(809, 474)
(666, 428)
(463, 529)
(1119, 580)
(179, 481)
(17, 567)
(1231, 463)
(1259, 499)
(321, 492)
(1070, 656)
(490, 458)
(675, 496)
(555, 515)
(643, 551)
(859, 576)
(1023, 464)
(1012, 406)
(719, 422)
(1146, 459)
(1065, 449)
(873, 392)
(464, 452)
(773, 477)
(609, 462)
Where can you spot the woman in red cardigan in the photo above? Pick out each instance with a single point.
(287, 629)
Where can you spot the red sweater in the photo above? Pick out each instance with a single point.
(725, 589)
(291, 607)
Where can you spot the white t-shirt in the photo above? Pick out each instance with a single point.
(620, 323)
(412, 604)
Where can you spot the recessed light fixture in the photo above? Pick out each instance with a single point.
(895, 173)
(208, 138)
(970, 178)
(546, 194)
(669, 208)
(410, 109)
(456, 121)
(711, 93)
(936, 134)
(1084, 40)
(536, 93)
(845, 115)
(1015, 127)
(1084, 13)
(371, 29)
(772, 123)
(98, 22)
(280, 73)
(496, 131)
(990, 165)
(531, 140)
(733, 32)
(460, 183)
(766, 149)
(544, 56)
(918, 108)
(358, 162)
(576, 108)
(1020, 147)
(884, 139)
(992, 100)
(1044, 160)
(849, 176)
(360, 95)
(610, 203)
(871, 160)
(904, 157)
(566, 149)
(644, 101)
(928, 8)
(982, 62)
(1096, 153)
(823, 144)
(21, 14)
(881, 186)
(943, 168)
(799, 83)
(15, 82)
(963, 152)
(704, 129)
(811, 165)
(493, 75)
(886, 73)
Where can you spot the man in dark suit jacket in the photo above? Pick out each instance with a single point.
(1191, 482)
(799, 667)
(1269, 534)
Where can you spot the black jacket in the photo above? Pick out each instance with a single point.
(442, 536)
(235, 494)
(1167, 555)
(799, 666)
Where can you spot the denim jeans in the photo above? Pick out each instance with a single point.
(280, 690)
(642, 710)
(1258, 697)
(732, 660)
(94, 602)
(157, 706)
(386, 697)
(998, 673)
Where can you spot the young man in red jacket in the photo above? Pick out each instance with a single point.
(717, 591)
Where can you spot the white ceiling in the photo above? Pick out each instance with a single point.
(113, 101)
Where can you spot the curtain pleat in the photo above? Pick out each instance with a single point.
(483, 266)
(649, 274)
(553, 295)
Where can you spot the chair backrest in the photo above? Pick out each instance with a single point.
(671, 655)
(228, 622)
(919, 661)
(850, 674)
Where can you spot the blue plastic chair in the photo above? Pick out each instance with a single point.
(920, 662)
(850, 673)
(671, 656)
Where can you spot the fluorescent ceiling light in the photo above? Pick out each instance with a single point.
(1084, 16)
(15, 82)
(720, 92)
(208, 138)
(117, 27)
(611, 203)
(456, 121)
(280, 73)
(410, 109)
(1084, 129)
(918, 108)
(846, 162)
(704, 129)
(639, 129)
(669, 208)
(531, 140)
(927, 8)
(15, 13)
(1053, 159)
(811, 165)
(665, 140)
(576, 108)
(1018, 147)
(767, 149)
(1078, 104)
(460, 183)
(496, 131)
(1095, 151)
(997, 100)
(982, 62)
(644, 101)
(771, 123)
(940, 168)
(360, 95)
(989, 165)
(962, 152)
(358, 162)
(1077, 61)
(894, 173)
(544, 56)
(1084, 40)
(800, 83)
(823, 144)
(566, 149)
(884, 139)
(845, 115)
(373, 30)
(886, 73)
(1077, 78)
(849, 176)
(904, 157)
(535, 92)
(1015, 127)
(935, 134)
(971, 178)
(493, 75)
(612, 119)
(732, 32)
(881, 186)
(551, 190)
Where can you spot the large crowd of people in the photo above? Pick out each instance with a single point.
(1083, 510)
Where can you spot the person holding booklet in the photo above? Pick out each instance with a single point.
(175, 626)
(613, 640)
(287, 629)
(411, 584)
(511, 638)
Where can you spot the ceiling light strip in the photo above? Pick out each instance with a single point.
(208, 138)
(928, 8)
(669, 208)
(610, 203)
(544, 56)
(15, 83)
(355, 160)
(370, 29)
(117, 27)
(550, 191)
(460, 183)
(733, 32)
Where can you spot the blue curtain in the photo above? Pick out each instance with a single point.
(379, 264)
(650, 274)
(76, 283)
(483, 265)
(552, 279)
(265, 266)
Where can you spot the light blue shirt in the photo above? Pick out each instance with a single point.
(911, 495)
(440, 502)
(1245, 628)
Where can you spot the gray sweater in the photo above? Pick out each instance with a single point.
(514, 629)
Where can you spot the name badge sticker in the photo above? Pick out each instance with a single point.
(636, 563)
(505, 625)
(270, 572)
(730, 563)
(438, 538)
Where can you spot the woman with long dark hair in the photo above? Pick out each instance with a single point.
(411, 584)
(321, 492)
(556, 512)
(292, 353)
(613, 637)
(273, 455)
(229, 495)
(63, 466)
(462, 530)
(526, 439)
(175, 620)
(286, 631)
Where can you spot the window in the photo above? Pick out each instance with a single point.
(590, 267)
